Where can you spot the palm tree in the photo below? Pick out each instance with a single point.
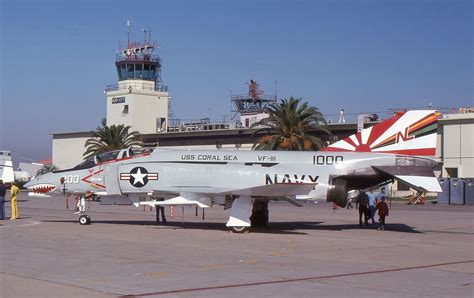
(108, 138)
(288, 127)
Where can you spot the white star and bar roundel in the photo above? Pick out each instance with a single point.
(138, 176)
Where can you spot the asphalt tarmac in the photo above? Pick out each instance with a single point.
(313, 251)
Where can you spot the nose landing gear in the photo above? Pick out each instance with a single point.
(84, 219)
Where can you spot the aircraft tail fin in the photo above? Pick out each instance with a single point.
(408, 133)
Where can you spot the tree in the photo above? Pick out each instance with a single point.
(46, 169)
(108, 138)
(288, 127)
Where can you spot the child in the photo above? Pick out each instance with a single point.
(383, 211)
(349, 203)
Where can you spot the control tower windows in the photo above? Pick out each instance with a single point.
(146, 71)
(152, 72)
(123, 72)
(130, 71)
(138, 71)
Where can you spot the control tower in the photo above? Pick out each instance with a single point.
(139, 99)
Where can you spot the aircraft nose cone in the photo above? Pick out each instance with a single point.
(42, 184)
(28, 185)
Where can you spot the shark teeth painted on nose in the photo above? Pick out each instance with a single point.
(43, 188)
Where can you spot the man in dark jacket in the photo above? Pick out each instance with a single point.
(363, 206)
(3, 191)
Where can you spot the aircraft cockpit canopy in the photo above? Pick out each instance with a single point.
(111, 155)
(139, 150)
(87, 163)
(99, 158)
(107, 156)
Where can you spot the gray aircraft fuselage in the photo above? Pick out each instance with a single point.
(222, 171)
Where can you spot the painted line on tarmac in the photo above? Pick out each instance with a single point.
(32, 223)
(57, 283)
(293, 280)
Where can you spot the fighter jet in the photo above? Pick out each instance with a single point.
(400, 148)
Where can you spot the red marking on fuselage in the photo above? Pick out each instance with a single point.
(93, 184)
(43, 189)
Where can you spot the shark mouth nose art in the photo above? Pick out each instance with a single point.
(43, 188)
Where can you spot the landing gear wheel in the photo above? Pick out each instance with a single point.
(239, 230)
(259, 217)
(84, 220)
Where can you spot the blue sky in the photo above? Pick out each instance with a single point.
(363, 56)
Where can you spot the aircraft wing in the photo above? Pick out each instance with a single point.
(421, 178)
(201, 196)
(276, 190)
(269, 190)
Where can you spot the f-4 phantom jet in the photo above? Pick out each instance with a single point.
(398, 148)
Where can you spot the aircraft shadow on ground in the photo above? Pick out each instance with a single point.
(273, 227)
(180, 225)
(305, 225)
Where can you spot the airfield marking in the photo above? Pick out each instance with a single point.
(293, 280)
(56, 282)
(213, 267)
(32, 223)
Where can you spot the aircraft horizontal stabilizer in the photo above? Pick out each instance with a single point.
(429, 184)
(421, 178)
(276, 190)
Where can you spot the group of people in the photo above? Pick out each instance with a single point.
(368, 204)
(14, 191)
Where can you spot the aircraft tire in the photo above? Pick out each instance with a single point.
(83, 220)
(239, 230)
(88, 220)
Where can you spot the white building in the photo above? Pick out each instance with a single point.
(456, 145)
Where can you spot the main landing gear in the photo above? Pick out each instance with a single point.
(246, 213)
(259, 217)
(84, 219)
(239, 229)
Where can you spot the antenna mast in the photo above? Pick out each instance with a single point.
(128, 34)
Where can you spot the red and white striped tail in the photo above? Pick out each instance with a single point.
(408, 133)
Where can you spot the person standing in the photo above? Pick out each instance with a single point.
(381, 195)
(161, 209)
(362, 204)
(14, 191)
(383, 211)
(3, 191)
(371, 197)
(349, 203)
(341, 116)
